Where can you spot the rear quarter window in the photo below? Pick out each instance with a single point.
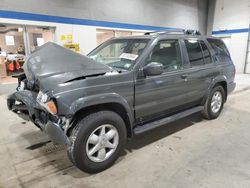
(220, 50)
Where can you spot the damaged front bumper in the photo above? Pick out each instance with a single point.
(56, 134)
(24, 104)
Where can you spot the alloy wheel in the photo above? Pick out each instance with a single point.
(216, 102)
(102, 143)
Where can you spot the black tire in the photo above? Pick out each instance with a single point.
(207, 111)
(80, 134)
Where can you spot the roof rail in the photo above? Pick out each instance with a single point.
(192, 32)
(166, 31)
(175, 31)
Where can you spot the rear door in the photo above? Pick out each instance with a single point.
(201, 69)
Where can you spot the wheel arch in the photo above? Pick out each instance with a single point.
(222, 80)
(112, 102)
(224, 85)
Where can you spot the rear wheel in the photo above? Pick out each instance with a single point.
(97, 140)
(214, 103)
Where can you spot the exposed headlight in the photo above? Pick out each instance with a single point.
(50, 105)
(42, 97)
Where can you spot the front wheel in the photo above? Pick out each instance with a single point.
(97, 141)
(214, 103)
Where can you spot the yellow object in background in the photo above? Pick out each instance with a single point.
(63, 37)
(73, 47)
(69, 38)
(68, 43)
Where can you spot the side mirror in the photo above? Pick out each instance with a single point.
(153, 69)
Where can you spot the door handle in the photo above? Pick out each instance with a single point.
(184, 76)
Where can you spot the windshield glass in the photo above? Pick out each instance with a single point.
(119, 53)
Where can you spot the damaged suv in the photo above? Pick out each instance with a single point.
(125, 86)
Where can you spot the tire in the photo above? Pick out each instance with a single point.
(209, 112)
(96, 131)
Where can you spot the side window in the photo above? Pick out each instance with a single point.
(220, 50)
(194, 52)
(167, 52)
(206, 53)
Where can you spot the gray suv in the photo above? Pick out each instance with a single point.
(124, 87)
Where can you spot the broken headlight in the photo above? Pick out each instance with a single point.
(42, 97)
(49, 104)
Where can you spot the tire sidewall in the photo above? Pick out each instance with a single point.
(215, 89)
(82, 132)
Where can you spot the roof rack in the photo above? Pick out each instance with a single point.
(192, 32)
(175, 31)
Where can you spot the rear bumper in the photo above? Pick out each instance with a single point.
(24, 104)
(230, 87)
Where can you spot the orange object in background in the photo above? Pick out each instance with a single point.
(18, 67)
(11, 67)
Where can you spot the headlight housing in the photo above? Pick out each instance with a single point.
(51, 107)
(43, 99)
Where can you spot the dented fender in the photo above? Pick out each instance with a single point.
(105, 98)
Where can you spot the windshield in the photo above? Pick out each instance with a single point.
(119, 53)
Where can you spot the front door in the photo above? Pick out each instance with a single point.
(159, 95)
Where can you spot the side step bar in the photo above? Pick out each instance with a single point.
(166, 120)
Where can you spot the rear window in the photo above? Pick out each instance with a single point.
(220, 50)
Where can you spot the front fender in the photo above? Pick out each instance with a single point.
(101, 99)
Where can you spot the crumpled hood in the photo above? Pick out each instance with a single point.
(52, 64)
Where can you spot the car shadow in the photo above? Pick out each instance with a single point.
(151, 136)
(56, 154)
